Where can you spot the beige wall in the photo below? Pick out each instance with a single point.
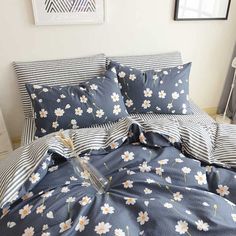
(132, 27)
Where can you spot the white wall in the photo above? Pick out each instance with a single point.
(132, 27)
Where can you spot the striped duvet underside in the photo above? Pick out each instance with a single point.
(204, 147)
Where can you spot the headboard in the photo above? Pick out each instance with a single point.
(72, 71)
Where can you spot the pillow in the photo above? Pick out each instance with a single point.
(163, 91)
(95, 101)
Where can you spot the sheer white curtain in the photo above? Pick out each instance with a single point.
(231, 113)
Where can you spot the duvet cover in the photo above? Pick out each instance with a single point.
(155, 188)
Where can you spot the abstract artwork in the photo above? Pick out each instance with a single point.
(57, 12)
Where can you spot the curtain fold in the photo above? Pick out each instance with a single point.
(231, 112)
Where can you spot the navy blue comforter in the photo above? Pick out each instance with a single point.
(154, 190)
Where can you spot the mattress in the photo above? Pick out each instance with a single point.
(198, 116)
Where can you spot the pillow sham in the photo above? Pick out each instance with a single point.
(163, 91)
(95, 101)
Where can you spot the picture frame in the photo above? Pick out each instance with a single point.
(201, 10)
(66, 12)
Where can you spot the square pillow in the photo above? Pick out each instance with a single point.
(163, 91)
(96, 101)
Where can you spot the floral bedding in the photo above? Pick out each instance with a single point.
(154, 189)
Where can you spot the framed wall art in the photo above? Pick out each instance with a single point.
(60, 12)
(202, 9)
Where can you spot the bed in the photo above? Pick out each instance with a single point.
(168, 174)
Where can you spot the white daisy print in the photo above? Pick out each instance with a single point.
(73, 122)
(201, 178)
(127, 156)
(93, 86)
(132, 77)
(65, 226)
(163, 162)
(46, 234)
(37, 86)
(83, 99)
(90, 110)
(65, 190)
(33, 96)
(99, 113)
(155, 77)
(55, 124)
(170, 105)
(25, 211)
(202, 226)
(85, 201)
(29, 231)
(130, 200)
(142, 217)
(168, 205)
(119, 232)
(102, 228)
(116, 109)
(162, 94)
(186, 170)
(34, 178)
(128, 184)
(175, 95)
(78, 111)
(43, 113)
(147, 92)
(83, 221)
(147, 191)
(129, 103)
(70, 199)
(115, 97)
(177, 196)
(122, 74)
(43, 131)
(146, 104)
(114, 145)
(144, 167)
(159, 171)
(223, 190)
(181, 227)
(59, 112)
(40, 209)
(107, 209)
(113, 70)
